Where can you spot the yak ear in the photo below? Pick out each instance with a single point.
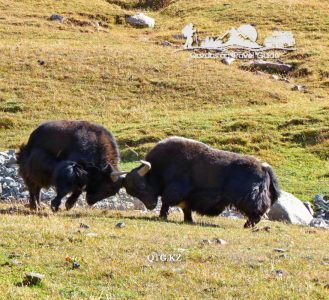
(146, 167)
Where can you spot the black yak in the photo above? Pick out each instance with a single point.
(73, 156)
(196, 177)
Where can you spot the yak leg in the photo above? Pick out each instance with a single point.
(34, 196)
(187, 215)
(70, 202)
(172, 196)
(164, 211)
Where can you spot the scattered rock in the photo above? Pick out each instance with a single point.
(120, 225)
(228, 60)
(271, 66)
(289, 209)
(214, 241)
(16, 262)
(219, 241)
(320, 223)
(260, 73)
(140, 20)
(32, 278)
(166, 44)
(279, 250)
(299, 88)
(57, 17)
(321, 207)
(279, 272)
(83, 226)
(285, 79)
(91, 234)
(265, 228)
(41, 62)
(275, 77)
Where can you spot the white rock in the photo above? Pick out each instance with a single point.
(319, 223)
(141, 20)
(228, 60)
(290, 209)
(275, 77)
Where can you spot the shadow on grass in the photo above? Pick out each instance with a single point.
(16, 210)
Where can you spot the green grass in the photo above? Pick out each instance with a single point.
(114, 264)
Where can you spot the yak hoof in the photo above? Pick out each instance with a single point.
(54, 208)
(68, 206)
(249, 224)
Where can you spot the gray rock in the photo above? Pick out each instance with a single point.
(32, 278)
(120, 225)
(228, 60)
(140, 20)
(299, 88)
(289, 209)
(319, 223)
(57, 17)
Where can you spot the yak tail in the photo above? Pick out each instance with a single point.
(273, 184)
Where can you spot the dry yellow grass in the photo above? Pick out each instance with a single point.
(115, 265)
(124, 79)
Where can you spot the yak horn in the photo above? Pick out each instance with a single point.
(145, 169)
(115, 175)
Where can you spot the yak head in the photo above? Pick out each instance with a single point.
(103, 183)
(136, 185)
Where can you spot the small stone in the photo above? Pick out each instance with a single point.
(299, 88)
(16, 262)
(228, 60)
(260, 73)
(166, 43)
(75, 265)
(83, 226)
(285, 80)
(91, 234)
(120, 225)
(265, 228)
(32, 278)
(219, 241)
(279, 250)
(57, 17)
(279, 272)
(41, 62)
(206, 242)
(275, 77)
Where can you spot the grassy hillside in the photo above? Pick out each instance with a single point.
(124, 79)
(114, 264)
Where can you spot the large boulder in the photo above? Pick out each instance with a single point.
(290, 209)
(140, 20)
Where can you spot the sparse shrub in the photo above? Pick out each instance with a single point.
(11, 107)
(6, 123)
(154, 4)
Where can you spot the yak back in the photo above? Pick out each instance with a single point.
(178, 158)
(77, 141)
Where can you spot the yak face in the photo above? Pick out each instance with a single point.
(137, 186)
(101, 185)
